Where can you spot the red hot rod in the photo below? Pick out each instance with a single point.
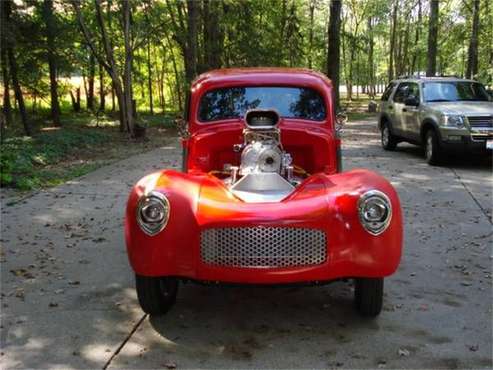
(261, 198)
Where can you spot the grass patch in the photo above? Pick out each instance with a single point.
(84, 143)
(22, 159)
(358, 116)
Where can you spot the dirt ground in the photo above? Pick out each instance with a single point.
(68, 299)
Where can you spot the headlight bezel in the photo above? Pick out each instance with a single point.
(153, 228)
(375, 228)
(453, 121)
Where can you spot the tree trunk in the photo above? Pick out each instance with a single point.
(390, 72)
(213, 37)
(472, 54)
(149, 76)
(7, 106)
(161, 88)
(414, 67)
(90, 83)
(75, 100)
(127, 72)
(333, 47)
(432, 39)
(113, 105)
(191, 48)
(310, 35)
(371, 77)
(102, 92)
(49, 20)
(18, 92)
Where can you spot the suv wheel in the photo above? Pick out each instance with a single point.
(389, 141)
(156, 294)
(433, 152)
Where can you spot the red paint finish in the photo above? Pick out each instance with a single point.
(326, 200)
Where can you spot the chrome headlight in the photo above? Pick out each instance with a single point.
(375, 211)
(453, 121)
(153, 212)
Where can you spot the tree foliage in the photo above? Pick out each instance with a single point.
(144, 54)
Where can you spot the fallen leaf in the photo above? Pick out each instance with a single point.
(403, 352)
(170, 365)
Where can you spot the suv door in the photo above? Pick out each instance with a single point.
(397, 105)
(410, 114)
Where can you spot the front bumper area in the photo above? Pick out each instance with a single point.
(465, 140)
(313, 235)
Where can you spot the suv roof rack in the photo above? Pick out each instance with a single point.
(423, 75)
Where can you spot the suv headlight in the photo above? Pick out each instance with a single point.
(454, 121)
(153, 212)
(375, 211)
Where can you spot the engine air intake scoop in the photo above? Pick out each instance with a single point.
(261, 119)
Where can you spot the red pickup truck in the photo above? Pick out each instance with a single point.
(262, 198)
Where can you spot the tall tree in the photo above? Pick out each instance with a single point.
(191, 50)
(6, 7)
(333, 47)
(371, 64)
(310, 35)
(49, 20)
(390, 73)
(431, 67)
(415, 67)
(185, 33)
(472, 53)
(90, 83)
(7, 106)
(122, 85)
(213, 35)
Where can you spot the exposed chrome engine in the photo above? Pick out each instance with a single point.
(265, 173)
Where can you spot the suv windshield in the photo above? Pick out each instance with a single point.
(454, 91)
(233, 102)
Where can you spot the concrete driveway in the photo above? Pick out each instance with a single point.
(68, 299)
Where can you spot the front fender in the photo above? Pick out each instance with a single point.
(325, 202)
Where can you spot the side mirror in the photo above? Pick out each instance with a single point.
(341, 119)
(411, 101)
(182, 127)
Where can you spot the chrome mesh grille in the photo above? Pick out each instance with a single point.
(263, 246)
(480, 121)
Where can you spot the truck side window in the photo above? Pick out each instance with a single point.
(388, 91)
(413, 90)
(402, 92)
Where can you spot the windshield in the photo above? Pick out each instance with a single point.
(454, 91)
(233, 102)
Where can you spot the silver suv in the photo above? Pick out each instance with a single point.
(438, 113)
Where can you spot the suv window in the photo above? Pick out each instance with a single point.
(388, 91)
(405, 90)
(233, 102)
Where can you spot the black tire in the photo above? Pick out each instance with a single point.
(368, 296)
(432, 149)
(388, 140)
(156, 294)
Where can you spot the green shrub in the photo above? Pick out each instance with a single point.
(22, 158)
